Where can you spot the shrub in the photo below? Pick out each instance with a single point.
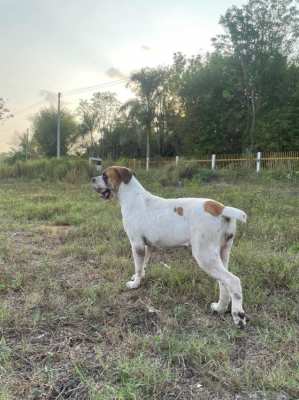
(188, 170)
(71, 170)
(172, 175)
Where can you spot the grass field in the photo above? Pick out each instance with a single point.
(69, 328)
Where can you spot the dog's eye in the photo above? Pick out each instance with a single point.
(105, 178)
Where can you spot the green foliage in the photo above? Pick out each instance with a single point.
(67, 169)
(242, 96)
(4, 112)
(45, 131)
(260, 36)
(26, 149)
(187, 170)
(98, 118)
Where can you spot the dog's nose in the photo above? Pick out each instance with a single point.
(93, 180)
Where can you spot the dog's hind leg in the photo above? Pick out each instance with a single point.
(208, 258)
(224, 296)
(139, 256)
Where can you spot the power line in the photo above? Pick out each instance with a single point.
(98, 86)
(74, 92)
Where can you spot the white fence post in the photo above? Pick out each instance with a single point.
(147, 163)
(213, 161)
(258, 162)
(176, 161)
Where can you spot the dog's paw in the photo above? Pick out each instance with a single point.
(134, 284)
(240, 319)
(216, 308)
(135, 276)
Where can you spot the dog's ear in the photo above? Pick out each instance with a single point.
(124, 173)
(117, 175)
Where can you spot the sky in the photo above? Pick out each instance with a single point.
(47, 46)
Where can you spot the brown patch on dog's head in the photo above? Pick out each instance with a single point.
(213, 207)
(179, 211)
(118, 175)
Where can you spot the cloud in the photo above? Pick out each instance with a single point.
(146, 48)
(115, 73)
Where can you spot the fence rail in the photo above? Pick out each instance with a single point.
(259, 161)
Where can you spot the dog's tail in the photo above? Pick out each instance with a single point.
(234, 213)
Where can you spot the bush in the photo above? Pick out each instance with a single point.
(70, 170)
(207, 175)
(188, 170)
(172, 175)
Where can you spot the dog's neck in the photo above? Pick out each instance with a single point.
(129, 194)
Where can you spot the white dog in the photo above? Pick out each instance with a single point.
(151, 221)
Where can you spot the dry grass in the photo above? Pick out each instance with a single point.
(71, 330)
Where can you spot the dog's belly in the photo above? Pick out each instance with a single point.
(159, 230)
(164, 242)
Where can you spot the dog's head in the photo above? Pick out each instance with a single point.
(109, 182)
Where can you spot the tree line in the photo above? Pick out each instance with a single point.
(241, 97)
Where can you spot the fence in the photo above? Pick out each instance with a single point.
(266, 160)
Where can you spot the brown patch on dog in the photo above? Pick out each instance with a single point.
(179, 211)
(117, 175)
(213, 207)
(124, 173)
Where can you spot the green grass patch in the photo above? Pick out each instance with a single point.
(69, 328)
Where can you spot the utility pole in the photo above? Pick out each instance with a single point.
(27, 145)
(58, 126)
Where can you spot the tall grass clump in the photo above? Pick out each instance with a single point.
(172, 175)
(67, 169)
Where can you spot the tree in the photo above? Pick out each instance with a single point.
(25, 150)
(260, 34)
(211, 98)
(98, 116)
(4, 112)
(124, 140)
(279, 127)
(45, 131)
(147, 85)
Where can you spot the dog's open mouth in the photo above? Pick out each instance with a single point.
(106, 194)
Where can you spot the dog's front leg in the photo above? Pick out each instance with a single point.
(138, 251)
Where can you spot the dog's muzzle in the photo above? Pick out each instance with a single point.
(105, 193)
